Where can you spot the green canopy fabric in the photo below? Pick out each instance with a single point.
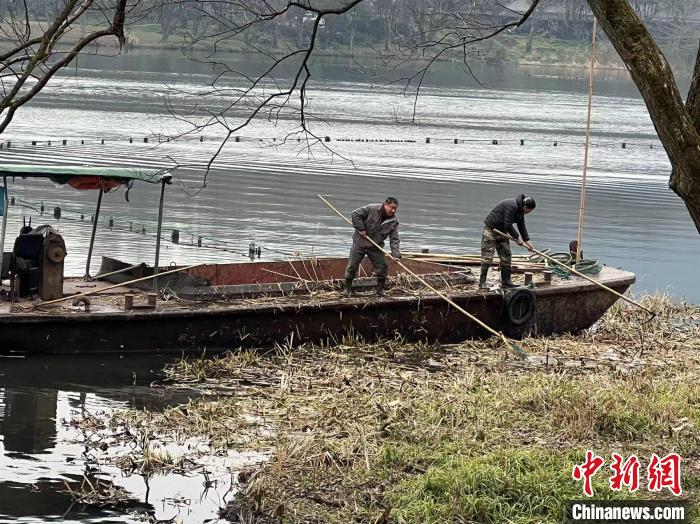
(65, 174)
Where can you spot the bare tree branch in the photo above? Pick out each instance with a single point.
(38, 58)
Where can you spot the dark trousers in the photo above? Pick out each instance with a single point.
(381, 268)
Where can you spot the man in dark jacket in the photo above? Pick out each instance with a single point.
(502, 217)
(375, 221)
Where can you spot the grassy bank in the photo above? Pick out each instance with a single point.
(396, 432)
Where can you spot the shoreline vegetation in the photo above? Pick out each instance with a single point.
(510, 49)
(404, 432)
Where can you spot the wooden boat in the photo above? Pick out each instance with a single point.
(250, 305)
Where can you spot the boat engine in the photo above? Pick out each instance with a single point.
(37, 262)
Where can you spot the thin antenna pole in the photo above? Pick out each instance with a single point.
(6, 211)
(582, 202)
(94, 231)
(160, 227)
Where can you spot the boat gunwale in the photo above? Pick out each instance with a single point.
(564, 287)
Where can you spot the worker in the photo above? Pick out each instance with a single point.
(376, 222)
(503, 217)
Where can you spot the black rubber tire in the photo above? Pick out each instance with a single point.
(519, 306)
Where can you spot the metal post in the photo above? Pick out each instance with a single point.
(5, 212)
(160, 225)
(94, 230)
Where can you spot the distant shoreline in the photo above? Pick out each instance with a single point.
(147, 40)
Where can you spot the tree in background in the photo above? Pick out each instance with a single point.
(677, 123)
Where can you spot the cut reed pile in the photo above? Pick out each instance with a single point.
(396, 432)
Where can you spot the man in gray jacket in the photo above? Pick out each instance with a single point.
(375, 221)
(502, 217)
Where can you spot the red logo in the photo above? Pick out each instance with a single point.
(665, 473)
(625, 473)
(661, 473)
(586, 471)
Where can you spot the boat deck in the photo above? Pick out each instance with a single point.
(399, 287)
(72, 286)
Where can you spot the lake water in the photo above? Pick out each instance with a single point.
(264, 191)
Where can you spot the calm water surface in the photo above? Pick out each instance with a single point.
(265, 192)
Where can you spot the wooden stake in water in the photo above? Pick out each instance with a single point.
(510, 344)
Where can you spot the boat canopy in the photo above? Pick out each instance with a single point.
(86, 177)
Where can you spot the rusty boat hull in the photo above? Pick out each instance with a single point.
(225, 315)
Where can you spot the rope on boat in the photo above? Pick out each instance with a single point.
(586, 266)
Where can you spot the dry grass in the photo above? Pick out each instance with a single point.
(420, 433)
(98, 493)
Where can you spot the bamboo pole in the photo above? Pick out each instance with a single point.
(160, 227)
(101, 290)
(6, 211)
(578, 273)
(582, 201)
(508, 343)
(475, 256)
(440, 264)
(285, 275)
(517, 266)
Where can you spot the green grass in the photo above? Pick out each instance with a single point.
(509, 485)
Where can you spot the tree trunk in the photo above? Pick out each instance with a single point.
(677, 129)
(275, 33)
(300, 31)
(167, 22)
(387, 32)
(531, 34)
(353, 30)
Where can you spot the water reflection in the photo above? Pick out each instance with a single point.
(40, 454)
(28, 422)
(167, 65)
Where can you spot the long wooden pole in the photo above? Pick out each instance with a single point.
(453, 255)
(160, 227)
(508, 343)
(101, 290)
(582, 200)
(578, 273)
(5, 212)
